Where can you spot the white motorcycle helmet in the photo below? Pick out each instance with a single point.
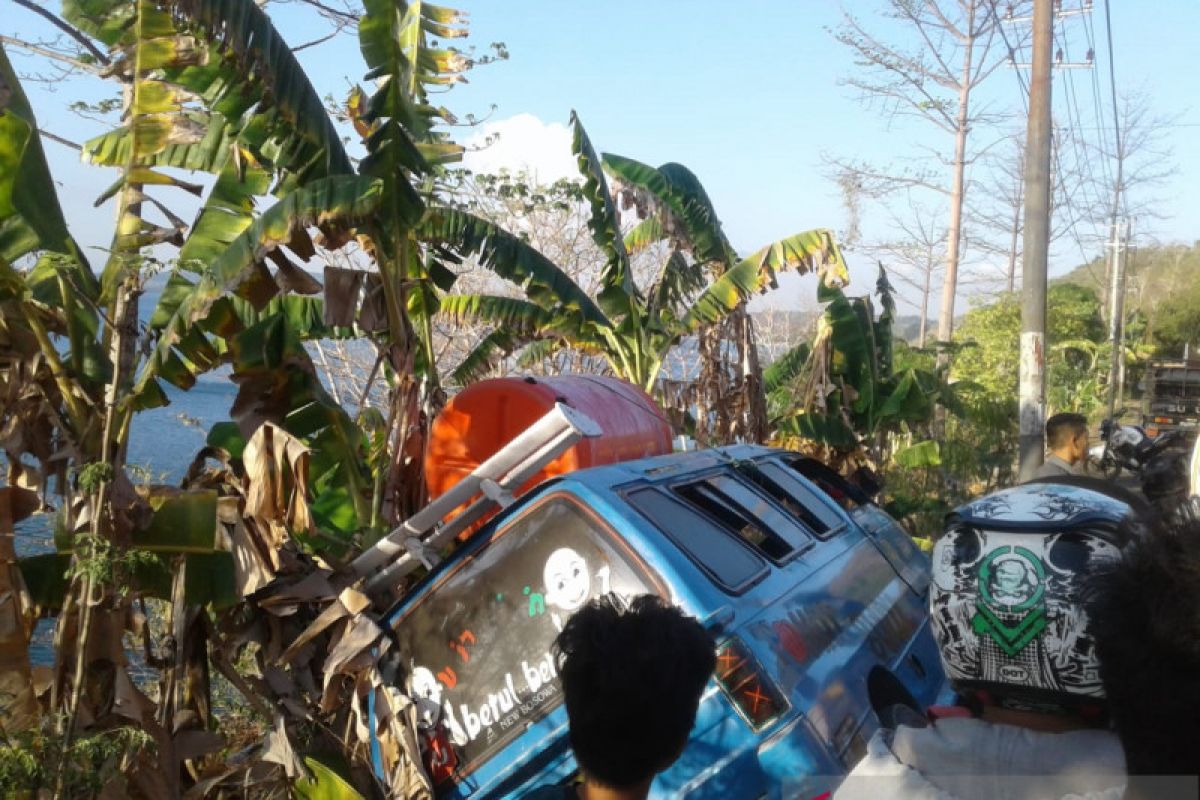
(1007, 596)
(1126, 436)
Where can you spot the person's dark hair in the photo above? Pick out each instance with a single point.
(1145, 615)
(1062, 428)
(632, 681)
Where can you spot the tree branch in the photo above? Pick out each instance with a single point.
(51, 54)
(69, 30)
(56, 138)
(333, 12)
(315, 42)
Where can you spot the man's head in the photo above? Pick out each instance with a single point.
(1145, 612)
(1067, 436)
(632, 681)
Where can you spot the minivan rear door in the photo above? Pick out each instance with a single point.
(475, 645)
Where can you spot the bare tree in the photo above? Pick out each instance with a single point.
(996, 210)
(1141, 162)
(916, 256)
(952, 48)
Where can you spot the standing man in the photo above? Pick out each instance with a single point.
(1067, 438)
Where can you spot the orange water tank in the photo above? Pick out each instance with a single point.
(485, 416)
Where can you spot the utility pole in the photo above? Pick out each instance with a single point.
(1037, 245)
(1116, 321)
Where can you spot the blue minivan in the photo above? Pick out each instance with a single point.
(810, 590)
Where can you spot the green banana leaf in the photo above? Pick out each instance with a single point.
(325, 784)
(672, 292)
(208, 581)
(829, 429)
(922, 454)
(31, 220)
(343, 200)
(907, 402)
(30, 216)
(787, 368)
(679, 192)
(483, 357)
(644, 234)
(517, 316)
(814, 250)
(618, 295)
(304, 140)
(545, 283)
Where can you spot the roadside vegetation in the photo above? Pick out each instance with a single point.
(227, 591)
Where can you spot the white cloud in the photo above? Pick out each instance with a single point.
(524, 143)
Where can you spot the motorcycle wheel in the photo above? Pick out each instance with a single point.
(1110, 468)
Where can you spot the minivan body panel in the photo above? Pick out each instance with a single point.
(813, 624)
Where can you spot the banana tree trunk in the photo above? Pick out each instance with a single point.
(754, 428)
(18, 706)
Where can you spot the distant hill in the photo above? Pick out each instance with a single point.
(908, 328)
(1154, 273)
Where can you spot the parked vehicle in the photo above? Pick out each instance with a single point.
(1171, 397)
(1129, 447)
(816, 597)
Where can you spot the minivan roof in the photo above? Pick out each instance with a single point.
(661, 467)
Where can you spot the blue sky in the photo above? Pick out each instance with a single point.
(747, 94)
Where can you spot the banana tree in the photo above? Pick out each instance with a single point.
(850, 394)
(79, 399)
(701, 282)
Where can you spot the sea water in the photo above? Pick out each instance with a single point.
(162, 444)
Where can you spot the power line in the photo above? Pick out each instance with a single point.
(1112, 79)
(1104, 167)
(1078, 147)
(1012, 58)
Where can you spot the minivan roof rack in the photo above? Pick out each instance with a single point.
(491, 484)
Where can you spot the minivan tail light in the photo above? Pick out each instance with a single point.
(747, 686)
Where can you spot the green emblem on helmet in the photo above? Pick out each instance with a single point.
(1012, 580)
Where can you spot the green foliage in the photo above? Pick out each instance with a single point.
(632, 327)
(867, 384)
(28, 761)
(1177, 320)
(993, 358)
(325, 784)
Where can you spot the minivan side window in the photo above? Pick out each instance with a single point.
(727, 562)
(800, 500)
(748, 514)
(837, 488)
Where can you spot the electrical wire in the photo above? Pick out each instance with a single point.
(1112, 81)
(1012, 57)
(1089, 189)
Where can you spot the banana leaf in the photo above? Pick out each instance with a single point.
(343, 200)
(827, 429)
(814, 250)
(517, 316)
(681, 194)
(786, 368)
(544, 282)
(305, 140)
(483, 357)
(618, 295)
(922, 454)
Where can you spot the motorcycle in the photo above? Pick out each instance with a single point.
(1128, 447)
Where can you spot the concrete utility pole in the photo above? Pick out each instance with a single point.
(1037, 245)
(1116, 315)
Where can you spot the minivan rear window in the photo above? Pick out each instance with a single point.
(748, 514)
(477, 646)
(728, 562)
(794, 495)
